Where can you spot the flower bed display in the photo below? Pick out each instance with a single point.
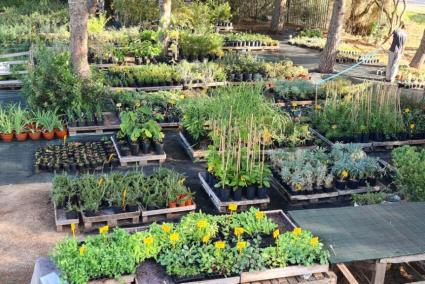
(372, 115)
(312, 171)
(200, 246)
(119, 193)
(21, 124)
(76, 157)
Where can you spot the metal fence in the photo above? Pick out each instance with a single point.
(308, 13)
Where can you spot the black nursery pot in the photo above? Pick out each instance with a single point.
(224, 194)
(159, 148)
(353, 183)
(134, 148)
(250, 192)
(262, 192)
(131, 208)
(125, 151)
(146, 146)
(365, 137)
(371, 181)
(340, 184)
(89, 213)
(71, 214)
(237, 194)
(117, 209)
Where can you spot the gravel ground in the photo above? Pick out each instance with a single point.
(26, 230)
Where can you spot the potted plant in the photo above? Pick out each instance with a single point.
(20, 121)
(49, 121)
(6, 126)
(340, 170)
(91, 194)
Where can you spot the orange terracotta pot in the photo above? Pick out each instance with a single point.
(21, 136)
(7, 137)
(172, 204)
(35, 135)
(61, 134)
(48, 135)
(188, 202)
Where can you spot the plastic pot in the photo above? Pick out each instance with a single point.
(48, 135)
(146, 146)
(159, 148)
(71, 214)
(35, 136)
(353, 183)
(7, 137)
(340, 184)
(224, 194)
(134, 148)
(262, 192)
(250, 192)
(21, 136)
(237, 194)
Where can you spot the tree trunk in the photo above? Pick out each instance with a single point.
(328, 56)
(164, 22)
(78, 12)
(419, 57)
(278, 15)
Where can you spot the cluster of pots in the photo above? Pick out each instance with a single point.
(354, 60)
(86, 120)
(139, 60)
(76, 157)
(246, 43)
(411, 85)
(224, 24)
(226, 194)
(34, 133)
(201, 57)
(138, 148)
(380, 137)
(137, 82)
(346, 184)
(245, 77)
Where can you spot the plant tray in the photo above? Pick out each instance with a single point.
(147, 89)
(273, 47)
(112, 220)
(195, 155)
(110, 124)
(166, 213)
(223, 206)
(127, 279)
(61, 221)
(139, 160)
(285, 192)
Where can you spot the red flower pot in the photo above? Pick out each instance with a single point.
(60, 133)
(172, 204)
(48, 135)
(188, 202)
(21, 136)
(7, 137)
(35, 135)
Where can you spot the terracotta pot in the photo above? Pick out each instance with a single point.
(60, 134)
(7, 137)
(48, 135)
(35, 135)
(21, 136)
(181, 204)
(172, 204)
(188, 202)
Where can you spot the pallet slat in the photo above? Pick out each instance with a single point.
(112, 220)
(166, 213)
(61, 221)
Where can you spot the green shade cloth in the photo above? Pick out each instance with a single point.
(367, 232)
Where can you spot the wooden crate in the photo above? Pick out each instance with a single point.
(166, 213)
(112, 220)
(319, 197)
(195, 155)
(139, 160)
(111, 123)
(126, 279)
(223, 206)
(61, 221)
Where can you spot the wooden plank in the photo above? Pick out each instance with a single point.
(16, 54)
(379, 274)
(61, 220)
(197, 155)
(272, 47)
(282, 272)
(10, 83)
(361, 190)
(169, 124)
(222, 206)
(127, 279)
(147, 89)
(347, 273)
(14, 62)
(110, 219)
(229, 280)
(166, 213)
(401, 259)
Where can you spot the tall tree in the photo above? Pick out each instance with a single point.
(164, 22)
(419, 57)
(278, 15)
(79, 13)
(328, 56)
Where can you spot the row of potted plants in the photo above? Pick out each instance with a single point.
(76, 157)
(373, 114)
(19, 123)
(248, 39)
(117, 192)
(139, 131)
(86, 117)
(198, 247)
(315, 170)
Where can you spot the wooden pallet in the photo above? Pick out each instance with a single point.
(139, 160)
(126, 279)
(147, 89)
(252, 48)
(223, 206)
(112, 220)
(6, 84)
(169, 124)
(324, 197)
(110, 124)
(166, 213)
(61, 221)
(195, 155)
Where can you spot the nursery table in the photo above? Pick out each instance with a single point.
(384, 234)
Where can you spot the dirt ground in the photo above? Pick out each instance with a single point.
(27, 230)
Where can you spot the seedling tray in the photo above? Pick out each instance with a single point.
(144, 159)
(61, 221)
(166, 214)
(111, 124)
(222, 206)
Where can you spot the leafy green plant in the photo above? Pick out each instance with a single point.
(369, 198)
